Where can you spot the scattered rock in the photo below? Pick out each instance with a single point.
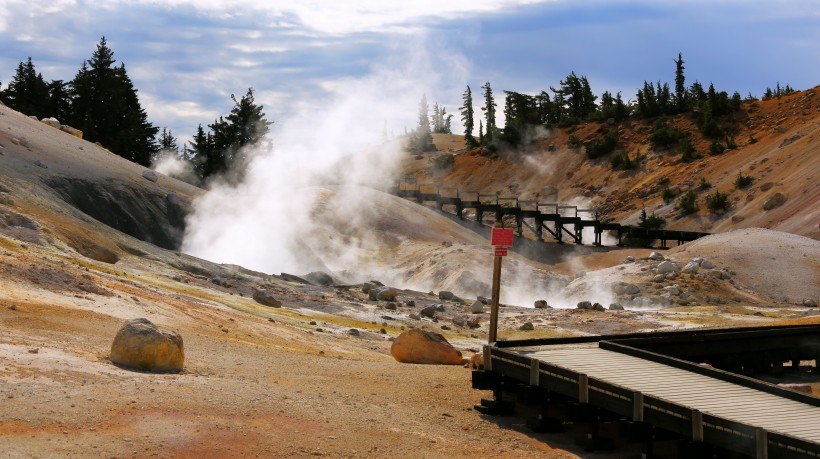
(425, 347)
(354, 332)
(527, 326)
(630, 259)
(41, 164)
(13, 307)
(387, 294)
(666, 267)
(705, 264)
(410, 303)
(320, 278)
(367, 286)
(34, 350)
(391, 306)
(659, 278)
(263, 297)
(445, 295)
(624, 288)
(673, 290)
(691, 267)
(616, 307)
(541, 304)
(738, 218)
(766, 186)
(73, 131)
(429, 311)
(655, 256)
(809, 303)
(53, 122)
(484, 300)
(139, 344)
(773, 201)
(477, 307)
(149, 175)
(584, 305)
(414, 316)
(598, 307)
(473, 322)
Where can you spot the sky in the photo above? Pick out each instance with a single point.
(187, 57)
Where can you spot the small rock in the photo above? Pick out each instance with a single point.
(410, 303)
(673, 290)
(445, 327)
(425, 347)
(659, 278)
(354, 332)
(630, 259)
(655, 256)
(41, 164)
(527, 326)
(624, 288)
(391, 306)
(616, 307)
(35, 350)
(738, 218)
(666, 267)
(264, 298)
(484, 300)
(706, 264)
(477, 307)
(429, 311)
(773, 201)
(414, 316)
(598, 307)
(809, 303)
(541, 304)
(691, 267)
(387, 294)
(13, 307)
(140, 344)
(445, 295)
(149, 175)
(584, 305)
(473, 322)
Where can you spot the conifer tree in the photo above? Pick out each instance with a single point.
(489, 113)
(421, 138)
(105, 106)
(680, 88)
(467, 117)
(167, 142)
(27, 92)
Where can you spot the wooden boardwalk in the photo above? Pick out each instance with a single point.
(624, 378)
(561, 222)
(723, 399)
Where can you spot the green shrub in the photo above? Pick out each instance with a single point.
(667, 195)
(752, 140)
(742, 181)
(621, 161)
(652, 221)
(716, 148)
(602, 146)
(688, 152)
(688, 203)
(443, 162)
(717, 201)
(704, 185)
(664, 137)
(574, 141)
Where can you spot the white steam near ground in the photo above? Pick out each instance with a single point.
(307, 201)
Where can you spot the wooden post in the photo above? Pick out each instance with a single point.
(495, 300)
(697, 425)
(583, 388)
(761, 444)
(637, 406)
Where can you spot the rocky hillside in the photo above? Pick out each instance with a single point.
(777, 145)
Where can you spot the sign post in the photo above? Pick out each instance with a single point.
(501, 240)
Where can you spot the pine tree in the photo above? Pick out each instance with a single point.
(489, 112)
(27, 92)
(467, 117)
(680, 88)
(105, 106)
(421, 138)
(59, 100)
(167, 142)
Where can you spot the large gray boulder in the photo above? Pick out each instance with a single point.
(140, 345)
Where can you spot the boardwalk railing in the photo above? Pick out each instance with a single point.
(561, 222)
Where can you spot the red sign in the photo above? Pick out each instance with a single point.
(501, 251)
(502, 237)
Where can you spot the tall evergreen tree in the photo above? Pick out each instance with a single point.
(167, 141)
(467, 117)
(27, 92)
(680, 88)
(421, 139)
(59, 100)
(106, 108)
(489, 112)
